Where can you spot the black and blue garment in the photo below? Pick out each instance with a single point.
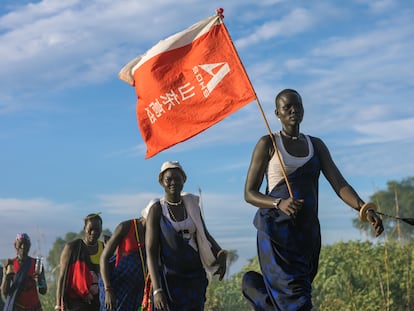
(127, 269)
(183, 275)
(127, 281)
(288, 249)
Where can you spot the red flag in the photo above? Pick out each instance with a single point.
(187, 83)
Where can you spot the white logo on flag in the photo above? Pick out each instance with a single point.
(216, 77)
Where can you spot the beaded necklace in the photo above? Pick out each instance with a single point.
(185, 233)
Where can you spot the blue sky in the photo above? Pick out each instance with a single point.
(69, 138)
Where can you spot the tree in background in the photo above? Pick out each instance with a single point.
(352, 276)
(227, 294)
(396, 200)
(363, 276)
(57, 247)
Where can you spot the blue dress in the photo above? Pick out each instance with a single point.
(126, 272)
(127, 281)
(288, 250)
(183, 275)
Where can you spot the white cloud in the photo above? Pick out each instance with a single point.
(41, 218)
(125, 204)
(379, 6)
(297, 63)
(296, 22)
(75, 42)
(385, 131)
(383, 38)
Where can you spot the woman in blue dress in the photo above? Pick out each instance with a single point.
(123, 274)
(180, 250)
(288, 230)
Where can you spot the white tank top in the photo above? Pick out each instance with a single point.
(290, 162)
(186, 227)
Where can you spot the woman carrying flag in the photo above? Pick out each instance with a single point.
(288, 230)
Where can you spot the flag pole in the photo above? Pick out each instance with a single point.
(220, 14)
(276, 148)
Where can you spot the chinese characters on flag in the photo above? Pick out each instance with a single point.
(187, 83)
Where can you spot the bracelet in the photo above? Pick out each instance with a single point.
(219, 253)
(58, 308)
(108, 288)
(364, 210)
(159, 290)
(9, 269)
(276, 203)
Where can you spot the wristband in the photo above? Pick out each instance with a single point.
(159, 290)
(58, 308)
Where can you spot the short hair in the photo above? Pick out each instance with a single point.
(93, 216)
(286, 91)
